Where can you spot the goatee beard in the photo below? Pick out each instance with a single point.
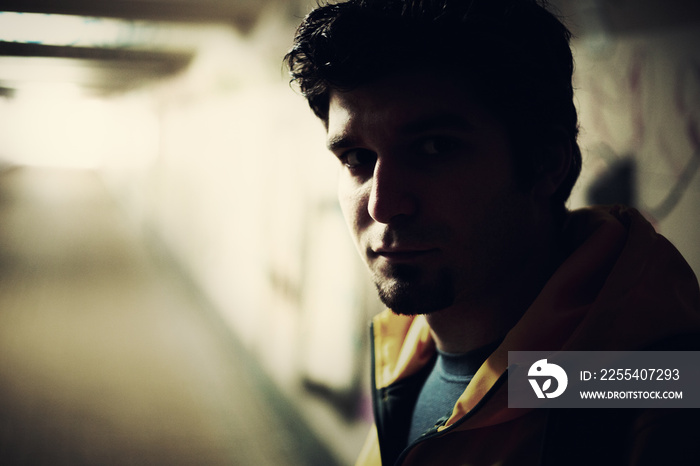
(408, 292)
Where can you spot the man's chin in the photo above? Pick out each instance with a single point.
(411, 297)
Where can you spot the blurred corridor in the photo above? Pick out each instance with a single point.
(107, 357)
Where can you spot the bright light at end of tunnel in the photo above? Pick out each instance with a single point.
(52, 124)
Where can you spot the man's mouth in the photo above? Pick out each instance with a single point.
(397, 255)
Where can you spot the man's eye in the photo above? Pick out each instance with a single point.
(357, 158)
(436, 146)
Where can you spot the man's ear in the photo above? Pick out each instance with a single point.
(556, 159)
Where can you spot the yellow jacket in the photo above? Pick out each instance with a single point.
(624, 287)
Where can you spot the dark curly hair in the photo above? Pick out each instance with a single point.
(513, 55)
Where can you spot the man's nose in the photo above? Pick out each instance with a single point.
(392, 195)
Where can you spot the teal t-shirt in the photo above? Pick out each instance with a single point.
(447, 381)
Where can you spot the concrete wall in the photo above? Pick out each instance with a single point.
(638, 95)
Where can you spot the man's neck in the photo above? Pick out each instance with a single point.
(456, 331)
(473, 323)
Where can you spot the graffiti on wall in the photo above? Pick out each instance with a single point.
(639, 102)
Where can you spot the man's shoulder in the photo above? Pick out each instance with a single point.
(621, 436)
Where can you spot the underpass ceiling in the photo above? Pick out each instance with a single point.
(241, 13)
(100, 70)
(144, 40)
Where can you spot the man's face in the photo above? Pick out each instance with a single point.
(428, 190)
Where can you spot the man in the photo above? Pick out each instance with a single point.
(455, 127)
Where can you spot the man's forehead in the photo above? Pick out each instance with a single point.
(339, 121)
(404, 106)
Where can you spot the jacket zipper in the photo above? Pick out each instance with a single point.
(500, 381)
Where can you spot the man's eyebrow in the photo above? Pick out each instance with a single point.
(443, 121)
(340, 142)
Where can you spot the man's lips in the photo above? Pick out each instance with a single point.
(403, 254)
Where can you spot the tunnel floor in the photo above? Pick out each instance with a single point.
(106, 356)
